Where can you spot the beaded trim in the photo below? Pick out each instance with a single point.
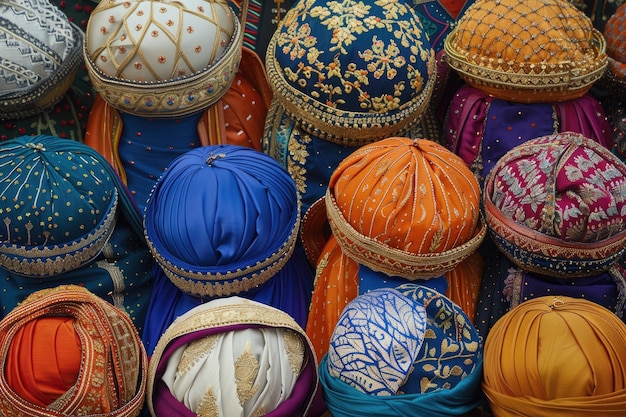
(340, 126)
(45, 261)
(171, 98)
(221, 284)
(612, 82)
(47, 92)
(512, 81)
(207, 317)
(395, 262)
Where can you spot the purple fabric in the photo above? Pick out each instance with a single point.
(603, 289)
(465, 122)
(480, 129)
(585, 115)
(510, 124)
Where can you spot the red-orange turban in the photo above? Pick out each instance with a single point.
(65, 352)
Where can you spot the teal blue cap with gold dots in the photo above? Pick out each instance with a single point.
(58, 205)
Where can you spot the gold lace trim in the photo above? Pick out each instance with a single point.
(113, 357)
(564, 78)
(338, 126)
(54, 260)
(395, 262)
(220, 284)
(214, 317)
(590, 255)
(171, 98)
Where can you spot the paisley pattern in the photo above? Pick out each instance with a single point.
(376, 341)
(555, 205)
(591, 207)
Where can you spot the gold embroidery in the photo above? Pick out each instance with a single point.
(231, 282)
(296, 161)
(172, 97)
(396, 262)
(294, 346)
(113, 358)
(195, 351)
(259, 412)
(246, 371)
(306, 88)
(245, 312)
(208, 405)
(53, 260)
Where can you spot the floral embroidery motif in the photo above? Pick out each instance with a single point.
(297, 158)
(334, 81)
(529, 191)
(295, 350)
(451, 345)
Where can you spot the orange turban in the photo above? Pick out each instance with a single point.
(556, 357)
(66, 351)
(527, 51)
(403, 208)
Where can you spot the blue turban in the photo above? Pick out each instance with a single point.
(223, 220)
(445, 372)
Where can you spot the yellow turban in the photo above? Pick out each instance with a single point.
(556, 357)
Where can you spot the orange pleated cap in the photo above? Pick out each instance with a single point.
(44, 358)
(65, 351)
(405, 207)
(556, 356)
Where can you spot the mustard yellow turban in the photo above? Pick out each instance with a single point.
(556, 357)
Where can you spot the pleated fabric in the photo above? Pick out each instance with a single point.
(222, 220)
(556, 356)
(232, 357)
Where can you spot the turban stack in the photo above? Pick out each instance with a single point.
(399, 210)
(344, 75)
